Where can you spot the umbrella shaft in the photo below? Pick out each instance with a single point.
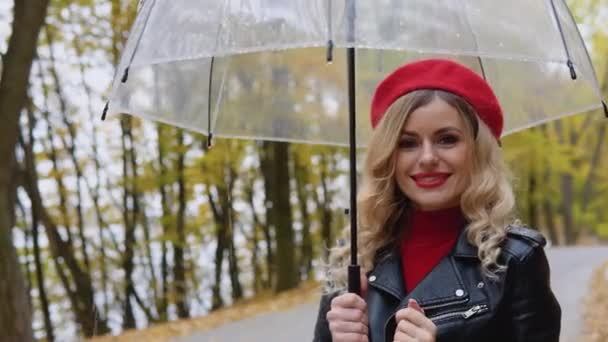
(354, 285)
(353, 153)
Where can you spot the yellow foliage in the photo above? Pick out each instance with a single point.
(596, 329)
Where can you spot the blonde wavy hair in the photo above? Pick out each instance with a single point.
(487, 203)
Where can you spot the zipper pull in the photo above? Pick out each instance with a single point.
(473, 311)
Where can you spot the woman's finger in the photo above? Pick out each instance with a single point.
(402, 337)
(406, 328)
(417, 319)
(412, 303)
(363, 285)
(347, 315)
(349, 300)
(348, 327)
(406, 331)
(350, 337)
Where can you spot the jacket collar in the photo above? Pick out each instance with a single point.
(463, 248)
(441, 284)
(387, 275)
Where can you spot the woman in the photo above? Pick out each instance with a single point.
(442, 262)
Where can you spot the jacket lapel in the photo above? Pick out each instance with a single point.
(444, 285)
(387, 276)
(440, 285)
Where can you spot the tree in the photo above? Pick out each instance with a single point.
(15, 315)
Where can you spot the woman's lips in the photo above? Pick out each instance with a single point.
(430, 180)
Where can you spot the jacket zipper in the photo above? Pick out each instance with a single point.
(477, 309)
(441, 305)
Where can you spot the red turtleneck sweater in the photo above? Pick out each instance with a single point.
(430, 237)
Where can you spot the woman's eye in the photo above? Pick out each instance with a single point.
(448, 140)
(407, 143)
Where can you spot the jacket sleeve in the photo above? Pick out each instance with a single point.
(322, 333)
(534, 311)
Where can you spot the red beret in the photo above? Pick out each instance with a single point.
(444, 75)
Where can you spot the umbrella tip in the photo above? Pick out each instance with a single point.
(572, 71)
(210, 140)
(330, 51)
(105, 111)
(125, 75)
(605, 108)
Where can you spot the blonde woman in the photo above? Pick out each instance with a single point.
(441, 260)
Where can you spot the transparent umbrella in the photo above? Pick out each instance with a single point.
(209, 65)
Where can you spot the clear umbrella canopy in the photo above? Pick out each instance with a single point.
(257, 68)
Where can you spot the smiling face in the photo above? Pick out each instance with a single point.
(433, 156)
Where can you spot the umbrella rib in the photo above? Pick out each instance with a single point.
(561, 33)
(330, 42)
(466, 18)
(217, 38)
(593, 74)
(209, 133)
(125, 75)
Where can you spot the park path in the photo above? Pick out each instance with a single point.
(571, 269)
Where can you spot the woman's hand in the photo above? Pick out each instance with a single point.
(348, 321)
(413, 325)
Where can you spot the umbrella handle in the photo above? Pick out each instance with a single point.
(354, 279)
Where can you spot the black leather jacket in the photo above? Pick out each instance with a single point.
(463, 304)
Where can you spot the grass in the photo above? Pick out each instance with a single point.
(596, 307)
(262, 303)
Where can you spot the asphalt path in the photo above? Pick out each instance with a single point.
(571, 269)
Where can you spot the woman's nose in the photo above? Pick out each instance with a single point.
(428, 155)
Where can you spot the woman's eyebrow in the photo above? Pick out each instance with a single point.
(439, 131)
(409, 132)
(447, 130)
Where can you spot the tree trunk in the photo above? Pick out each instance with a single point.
(94, 191)
(220, 233)
(40, 280)
(277, 176)
(268, 228)
(595, 162)
(70, 147)
(145, 223)
(300, 173)
(129, 223)
(258, 282)
(82, 296)
(567, 208)
(178, 246)
(29, 279)
(166, 216)
(28, 18)
(233, 268)
(44, 302)
(325, 208)
(548, 211)
(550, 220)
(533, 220)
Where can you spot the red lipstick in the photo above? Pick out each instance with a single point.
(429, 180)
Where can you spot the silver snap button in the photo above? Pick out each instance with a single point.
(480, 285)
(459, 293)
(372, 278)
